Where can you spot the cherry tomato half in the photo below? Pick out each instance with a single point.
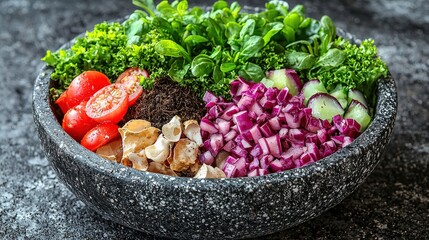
(108, 105)
(84, 86)
(76, 123)
(131, 80)
(100, 136)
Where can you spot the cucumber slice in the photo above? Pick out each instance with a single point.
(358, 96)
(340, 93)
(324, 106)
(312, 87)
(359, 113)
(286, 78)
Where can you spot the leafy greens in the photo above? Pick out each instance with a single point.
(206, 50)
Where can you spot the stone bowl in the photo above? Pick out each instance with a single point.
(190, 208)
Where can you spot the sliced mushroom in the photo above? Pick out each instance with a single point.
(111, 151)
(193, 131)
(172, 130)
(139, 160)
(185, 155)
(136, 125)
(207, 171)
(136, 140)
(221, 158)
(156, 167)
(159, 151)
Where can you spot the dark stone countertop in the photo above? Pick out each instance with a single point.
(392, 203)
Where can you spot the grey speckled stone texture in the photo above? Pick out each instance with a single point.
(392, 203)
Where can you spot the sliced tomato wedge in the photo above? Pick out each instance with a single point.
(131, 80)
(76, 123)
(133, 71)
(84, 86)
(62, 102)
(108, 105)
(100, 136)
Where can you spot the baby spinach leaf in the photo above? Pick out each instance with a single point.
(182, 7)
(220, 5)
(227, 67)
(275, 28)
(193, 40)
(178, 70)
(147, 5)
(217, 74)
(202, 65)
(251, 71)
(300, 60)
(166, 9)
(333, 58)
(248, 28)
(252, 46)
(232, 30)
(293, 20)
(171, 49)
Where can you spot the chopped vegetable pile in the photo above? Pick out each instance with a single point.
(281, 90)
(267, 130)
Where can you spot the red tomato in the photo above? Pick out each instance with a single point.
(131, 80)
(100, 136)
(62, 102)
(84, 86)
(108, 105)
(133, 71)
(76, 123)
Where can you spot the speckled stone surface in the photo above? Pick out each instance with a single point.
(392, 203)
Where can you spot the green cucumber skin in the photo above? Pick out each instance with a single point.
(324, 106)
(358, 112)
(358, 96)
(312, 87)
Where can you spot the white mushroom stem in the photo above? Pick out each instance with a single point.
(159, 151)
(192, 131)
(139, 160)
(172, 130)
(207, 171)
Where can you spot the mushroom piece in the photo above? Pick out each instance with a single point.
(136, 125)
(192, 131)
(139, 160)
(185, 155)
(136, 136)
(221, 159)
(172, 130)
(156, 167)
(159, 151)
(207, 171)
(111, 151)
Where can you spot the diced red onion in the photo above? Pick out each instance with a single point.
(274, 145)
(209, 97)
(242, 121)
(229, 170)
(206, 158)
(229, 146)
(229, 112)
(264, 146)
(208, 126)
(266, 130)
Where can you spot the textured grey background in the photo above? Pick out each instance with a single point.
(392, 203)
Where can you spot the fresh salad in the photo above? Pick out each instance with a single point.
(219, 93)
